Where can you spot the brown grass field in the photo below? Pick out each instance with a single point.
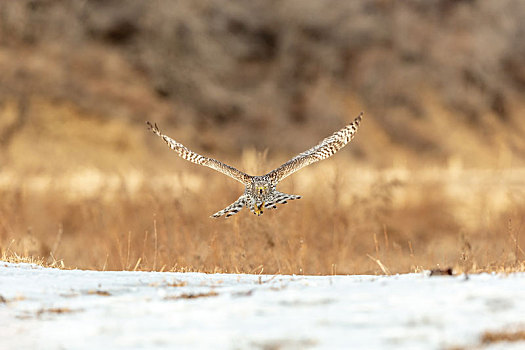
(78, 191)
(349, 221)
(435, 177)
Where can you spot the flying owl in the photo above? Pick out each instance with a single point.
(261, 192)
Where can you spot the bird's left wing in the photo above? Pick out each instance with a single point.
(326, 148)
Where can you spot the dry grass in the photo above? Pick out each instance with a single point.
(192, 296)
(11, 256)
(103, 215)
(120, 200)
(349, 221)
(490, 337)
(104, 293)
(56, 310)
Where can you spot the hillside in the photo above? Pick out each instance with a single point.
(437, 80)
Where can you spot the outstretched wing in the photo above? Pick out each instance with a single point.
(201, 160)
(323, 150)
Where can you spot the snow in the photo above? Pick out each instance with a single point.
(154, 310)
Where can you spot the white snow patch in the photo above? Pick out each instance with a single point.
(152, 310)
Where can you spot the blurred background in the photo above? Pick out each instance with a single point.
(435, 176)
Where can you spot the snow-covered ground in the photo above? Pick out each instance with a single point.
(42, 308)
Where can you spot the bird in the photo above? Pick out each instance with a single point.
(260, 191)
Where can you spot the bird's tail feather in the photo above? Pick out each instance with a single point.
(281, 198)
(232, 209)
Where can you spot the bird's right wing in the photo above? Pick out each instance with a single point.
(201, 160)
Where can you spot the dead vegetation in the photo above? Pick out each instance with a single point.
(56, 311)
(83, 184)
(103, 293)
(436, 79)
(490, 338)
(349, 221)
(513, 335)
(192, 295)
(176, 284)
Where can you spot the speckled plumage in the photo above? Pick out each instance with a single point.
(260, 192)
